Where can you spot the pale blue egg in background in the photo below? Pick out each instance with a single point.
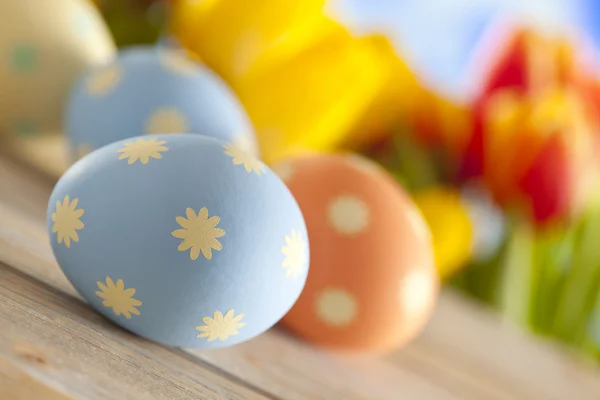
(152, 90)
(175, 236)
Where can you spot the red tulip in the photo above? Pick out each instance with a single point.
(535, 128)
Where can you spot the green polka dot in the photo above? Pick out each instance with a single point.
(25, 128)
(24, 58)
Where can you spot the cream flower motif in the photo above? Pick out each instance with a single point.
(166, 120)
(118, 298)
(178, 62)
(336, 307)
(66, 221)
(239, 157)
(220, 326)
(199, 233)
(104, 80)
(295, 254)
(246, 142)
(143, 150)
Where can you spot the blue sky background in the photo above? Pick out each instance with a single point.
(437, 37)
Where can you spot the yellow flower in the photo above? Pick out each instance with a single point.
(239, 157)
(199, 233)
(66, 221)
(238, 39)
(166, 120)
(142, 149)
(331, 85)
(295, 254)
(451, 228)
(120, 299)
(219, 326)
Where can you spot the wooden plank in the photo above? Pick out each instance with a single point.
(503, 355)
(19, 382)
(63, 345)
(465, 353)
(273, 362)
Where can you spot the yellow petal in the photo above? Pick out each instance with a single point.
(120, 285)
(203, 213)
(136, 302)
(73, 205)
(185, 245)
(180, 233)
(183, 222)
(194, 253)
(206, 252)
(191, 214)
(101, 286)
(218, 232)
(109, 282)
(214, 220)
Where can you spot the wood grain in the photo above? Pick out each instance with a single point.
(465, 353)
(66, 343)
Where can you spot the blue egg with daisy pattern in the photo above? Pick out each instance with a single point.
(184, 239)
(149, 90)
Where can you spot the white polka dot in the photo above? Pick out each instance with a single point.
(166, 120)
(416, 220)
(336, 307)
(177, 62)
(362, 163)
(415, 292)
(348, 215)
(104, 80)
(284, 170)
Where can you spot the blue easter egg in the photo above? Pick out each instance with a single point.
(153, 90)
(182, 239)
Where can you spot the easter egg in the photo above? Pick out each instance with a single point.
(180, 238)
(44, 46)
(373, 282)
(153, 90)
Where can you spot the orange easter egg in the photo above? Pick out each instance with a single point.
(372, 284)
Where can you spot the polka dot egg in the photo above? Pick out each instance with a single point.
(153, 90)
(373, 282)
(45, 45)
(180, 238)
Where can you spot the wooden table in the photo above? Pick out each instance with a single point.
(53, 346)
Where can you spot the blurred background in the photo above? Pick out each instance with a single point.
(487, 111)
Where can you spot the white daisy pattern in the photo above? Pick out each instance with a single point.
(295, 252)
